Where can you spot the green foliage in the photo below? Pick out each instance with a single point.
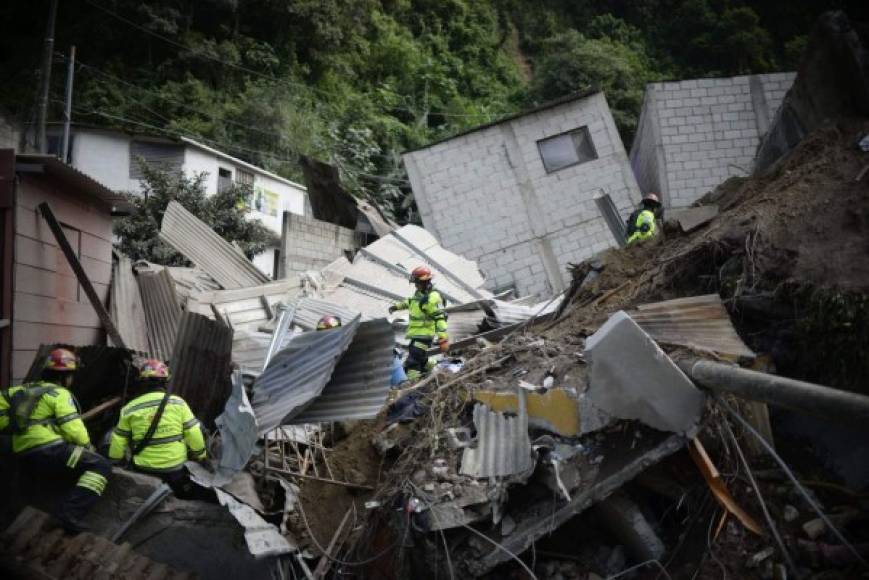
(571, 62)
(137, 233)
(356, 83)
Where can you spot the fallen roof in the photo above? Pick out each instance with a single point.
(297, 374)
(360, 383)
(162, 312)
(699, 322)
(204, 247)
(126, 307)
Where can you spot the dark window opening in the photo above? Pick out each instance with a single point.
(224, 179)
(566, 149)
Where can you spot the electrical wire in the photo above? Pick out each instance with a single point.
(258, 73)
(802, 490)
(503, 549)
(769, 521)
(346, 562)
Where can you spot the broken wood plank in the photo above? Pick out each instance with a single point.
(326, 561)
(83, 279)
(91, 413)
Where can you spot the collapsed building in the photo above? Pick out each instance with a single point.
(650, 420)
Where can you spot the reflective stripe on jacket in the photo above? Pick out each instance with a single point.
(55, 418)
(644, 227)
(427, 317)
(177, 432)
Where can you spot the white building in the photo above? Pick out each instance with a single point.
(518, 195)
(112, 158)
(693, 135)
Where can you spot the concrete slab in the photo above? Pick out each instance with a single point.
(632, 378)
(695, 217)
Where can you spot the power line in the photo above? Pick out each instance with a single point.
(268, 77)
(218, 144)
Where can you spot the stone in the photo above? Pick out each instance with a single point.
(791, 513)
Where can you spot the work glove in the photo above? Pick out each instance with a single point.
(392, 308)
(444, 344)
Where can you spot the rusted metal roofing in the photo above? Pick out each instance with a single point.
(200, 365)
(699, 322)
(162, 312)
(126, 308)
(502, 446)
(245, 308)
(34, 547)
(359, 384)
(298, 373)
(205, 248)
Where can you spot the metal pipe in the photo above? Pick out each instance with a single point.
(67, 105)
(834, 404)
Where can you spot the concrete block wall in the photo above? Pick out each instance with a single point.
(707, 130)
(486, 195)
(311, 244)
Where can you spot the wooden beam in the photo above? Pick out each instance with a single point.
(91, 413)
(103, 315)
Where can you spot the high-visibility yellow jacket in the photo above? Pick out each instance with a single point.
(644, 226)
(427, 317)
(177, 432)
(55, 419)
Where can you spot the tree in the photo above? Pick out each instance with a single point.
(224, 212)
(572, 62)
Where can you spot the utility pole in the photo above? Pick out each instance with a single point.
(67, 104)
(48, 53)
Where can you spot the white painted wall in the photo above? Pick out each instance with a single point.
(197, 161)
(105, 157)
(486, 195)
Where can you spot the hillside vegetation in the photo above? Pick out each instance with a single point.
(356, 82)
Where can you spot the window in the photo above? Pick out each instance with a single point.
(567, 149)
(224, 179)
(243, 177)
(163, 156)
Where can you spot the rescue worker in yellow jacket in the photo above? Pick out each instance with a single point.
(641, 223)
(427, 322)
(49, 436)
(159, 429)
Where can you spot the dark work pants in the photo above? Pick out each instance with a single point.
(417, 356)
(179, 481)
(92, 470)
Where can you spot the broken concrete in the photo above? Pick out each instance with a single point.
(632, 378)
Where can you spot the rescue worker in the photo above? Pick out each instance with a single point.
(641, 223)
(427, 322)
(49, 436)
(328, 322)
(159, 429)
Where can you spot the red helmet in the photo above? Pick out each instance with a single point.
(328, 322)
(653, 197)
(420, 274)
(62, 360)
(154, 369)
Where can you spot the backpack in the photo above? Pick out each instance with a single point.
(632, 223)
(21, 406)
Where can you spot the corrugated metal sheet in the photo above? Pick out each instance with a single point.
(205, 248)
(187, 280)
(457, 268)
(502, 446)
(360, 382)
(40, 548)
(126, 308)
(308, 312)
(238, 431)
(200, 365)
(298, 374)
(699, 322)
(245, 308)
(249, 349)
(162, 312)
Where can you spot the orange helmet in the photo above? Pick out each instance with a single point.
(154, 369)
(420, 274)
(653, 197)
(61, 360)
(328, 322)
